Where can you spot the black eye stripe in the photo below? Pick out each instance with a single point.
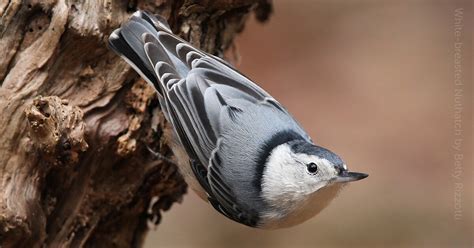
(312, 168)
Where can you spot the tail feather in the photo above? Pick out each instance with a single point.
(133, 33)
(169, 41)
(120, 46)
(156, 21)
(148, 45)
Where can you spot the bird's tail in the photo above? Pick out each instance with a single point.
(147, 43)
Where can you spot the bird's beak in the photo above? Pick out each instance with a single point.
(346, 176)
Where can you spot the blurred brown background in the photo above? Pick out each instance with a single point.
(374, 82)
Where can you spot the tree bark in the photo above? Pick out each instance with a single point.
(77, 123)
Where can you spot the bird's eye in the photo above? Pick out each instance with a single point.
(312, 168)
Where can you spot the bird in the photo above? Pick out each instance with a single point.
(236, 146)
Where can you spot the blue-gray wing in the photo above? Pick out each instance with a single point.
(201, 95)
(209, 100)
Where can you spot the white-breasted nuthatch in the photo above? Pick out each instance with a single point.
(236, 146)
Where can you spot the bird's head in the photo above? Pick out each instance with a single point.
(299, 180)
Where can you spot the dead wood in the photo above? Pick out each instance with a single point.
(76, 122)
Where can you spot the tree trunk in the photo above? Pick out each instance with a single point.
(77, 123)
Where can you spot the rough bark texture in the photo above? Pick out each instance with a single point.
(76, 120)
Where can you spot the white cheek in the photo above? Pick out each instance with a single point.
(286, 182)
(326, 170)
(292, 193)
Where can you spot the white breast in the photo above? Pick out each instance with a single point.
(301, 211)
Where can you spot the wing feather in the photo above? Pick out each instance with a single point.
(200, 94)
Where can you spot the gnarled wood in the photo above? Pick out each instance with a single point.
(77, 123)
